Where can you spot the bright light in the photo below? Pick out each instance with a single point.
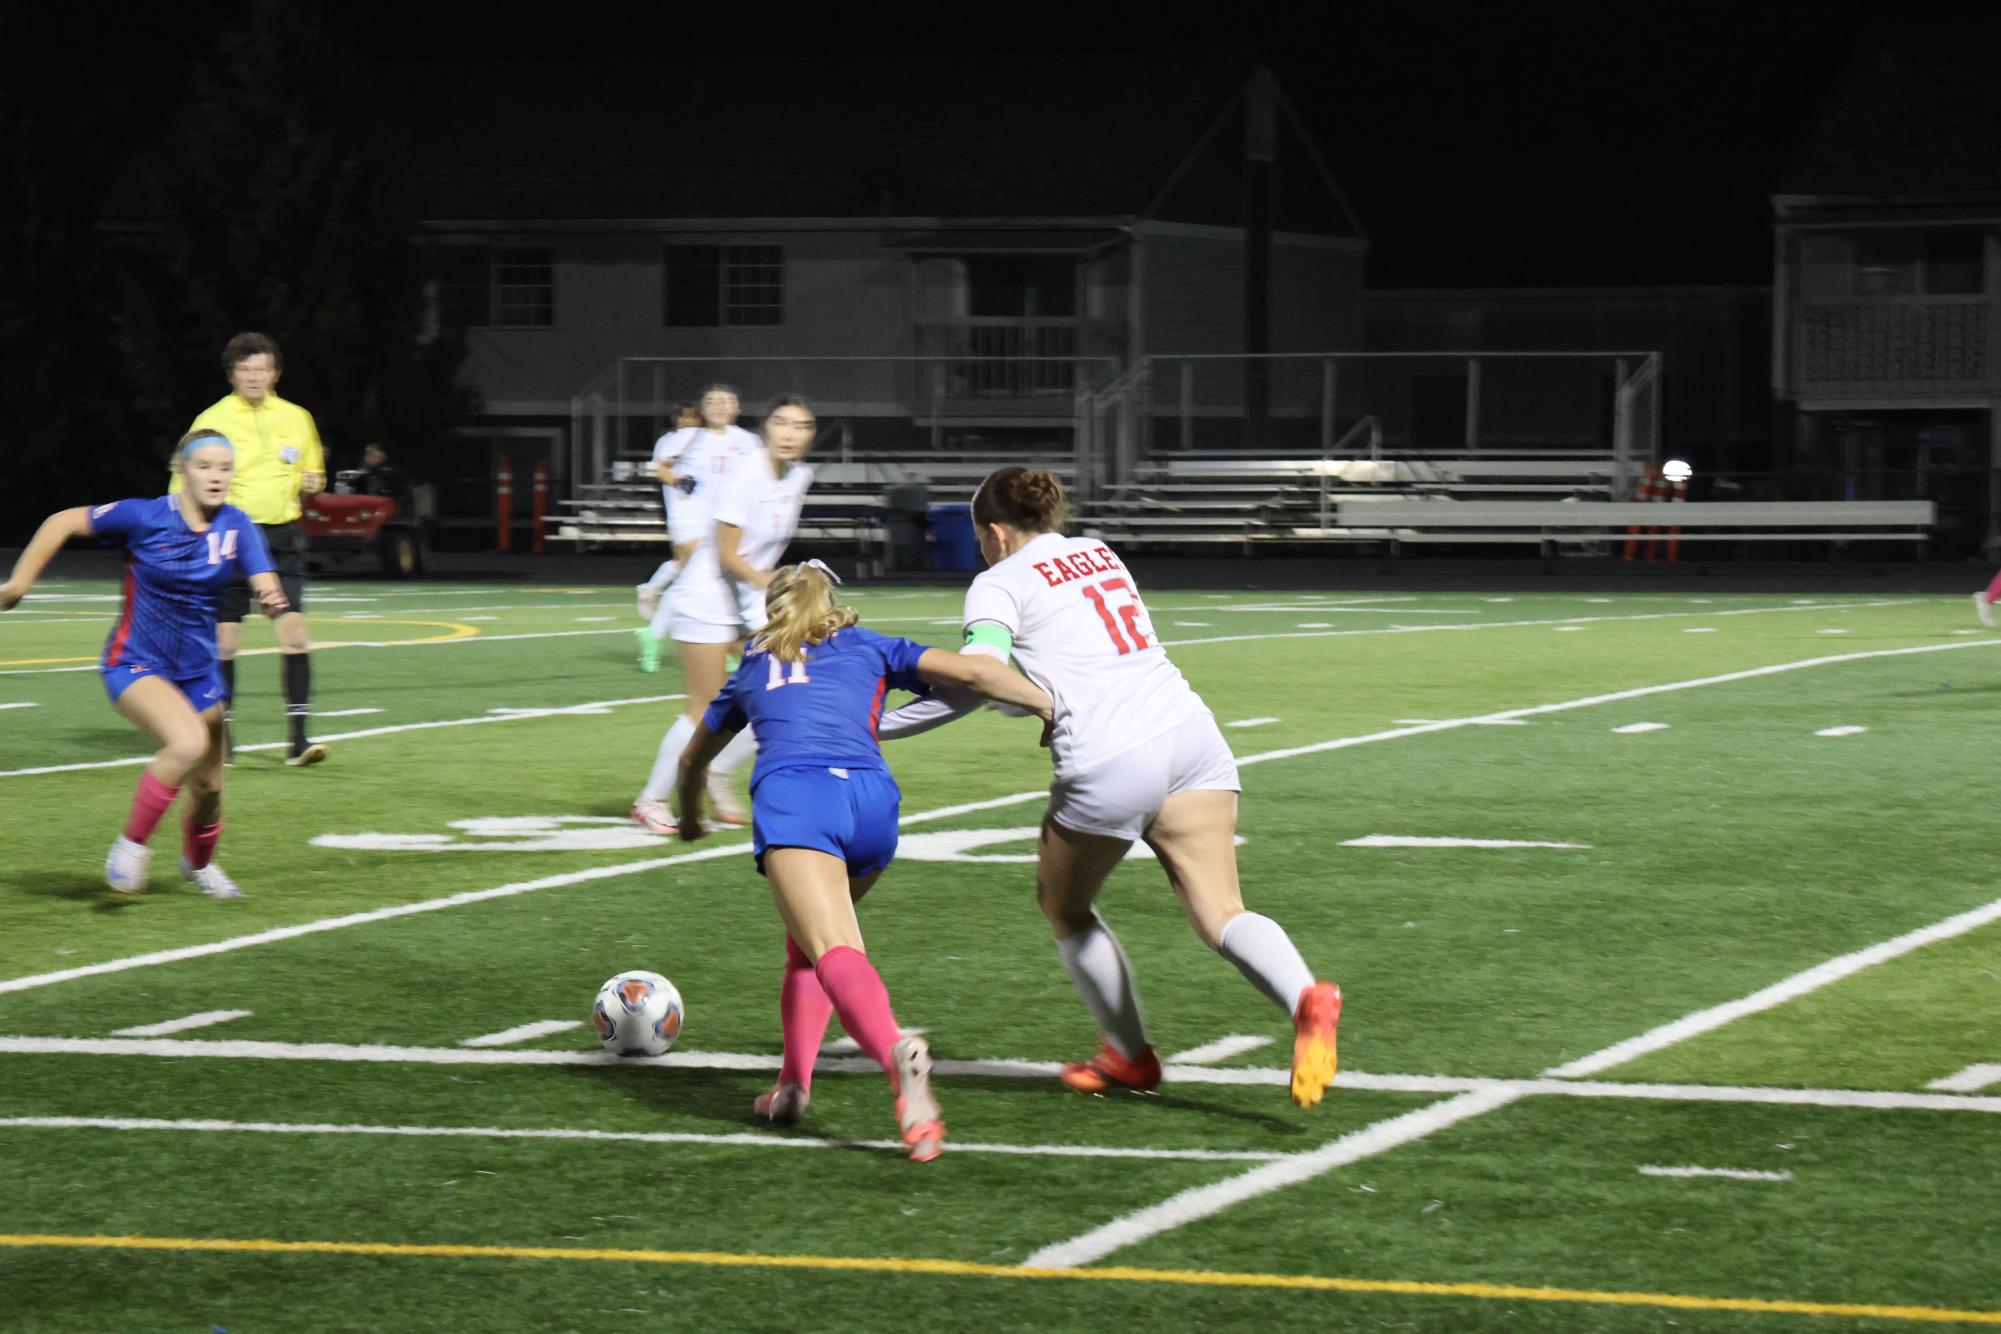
(1677, 470)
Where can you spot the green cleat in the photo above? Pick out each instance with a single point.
(649, 649)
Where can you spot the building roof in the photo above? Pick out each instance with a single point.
(1915, 118)
(977, 136)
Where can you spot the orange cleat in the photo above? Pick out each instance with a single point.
(1313, 1053)
(1108, 1070)
(782, 1106)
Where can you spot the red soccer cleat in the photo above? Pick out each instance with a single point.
(1313, 1051)
(1108, 1070)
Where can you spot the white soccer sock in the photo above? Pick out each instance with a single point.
(667, 764)
(1103, 978)
(663, 576)
(1266, 955)
(740, 748)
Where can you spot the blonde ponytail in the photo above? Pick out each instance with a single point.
(800, 604)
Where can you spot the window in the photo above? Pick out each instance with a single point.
(1920, 264)
(1024, 286)
(496, 286)
(706, 286)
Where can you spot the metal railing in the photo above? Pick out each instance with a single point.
(1368, 426)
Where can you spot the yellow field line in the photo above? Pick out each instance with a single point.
(459, 631)
(972, 1269)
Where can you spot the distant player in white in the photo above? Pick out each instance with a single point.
(690, 461)
(1137, 756)
(718, 599)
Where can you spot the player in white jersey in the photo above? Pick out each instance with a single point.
(717, 601)
(690, 462)
(1137, 756)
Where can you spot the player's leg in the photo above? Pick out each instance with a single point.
(1195, 838)
(201, 815)
(1071, 867)
(725, 807)
(1983, 603)
(297, 666)
(157, 706)
(704, 670)
(231, 606)
(804, 1010)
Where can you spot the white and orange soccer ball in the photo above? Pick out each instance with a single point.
(637, 1014)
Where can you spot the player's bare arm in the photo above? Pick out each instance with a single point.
(703, 747)
(57, 529)
(729, 541)
(985, 676)
(270, 595)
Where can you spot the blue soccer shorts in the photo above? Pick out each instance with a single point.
(849, 813)
(203, 691)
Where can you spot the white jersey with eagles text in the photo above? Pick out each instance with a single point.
(709, 457)
(1081, 633)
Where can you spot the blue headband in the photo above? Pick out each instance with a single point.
(197, 442)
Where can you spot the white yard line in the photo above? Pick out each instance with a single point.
(1791, 988)
(363, 918)
(1733, 1173)
(1177, 1071)
(181, 1025)
(1579, 621)
(1614, 697)
(1426, 841)
(586, 709)
(1970, 1080)
(1222, 1049)
(1841, 731)
(541, 1028)
(741, 1139)
(1201, 1202)
(939, 813)
(344, 713)
(23, 704)
(1251, 722)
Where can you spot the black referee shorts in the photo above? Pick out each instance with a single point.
(288, 554)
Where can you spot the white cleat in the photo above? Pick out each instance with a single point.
(210, 879)
(654, 817)
(1983, 609)
(125, 865)
(918, 1120)
(648, 600)
(723, 804)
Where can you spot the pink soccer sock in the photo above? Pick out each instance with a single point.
(861, 1000)
(804, 1009)
(198, 843)
(149, 804)
(1994, 590)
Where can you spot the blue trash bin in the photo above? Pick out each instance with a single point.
(953, 546)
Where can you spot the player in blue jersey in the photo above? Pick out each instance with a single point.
(823, 818)
(159, 663)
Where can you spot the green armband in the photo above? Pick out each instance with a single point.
(988, 635)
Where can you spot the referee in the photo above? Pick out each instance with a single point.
(278, 460)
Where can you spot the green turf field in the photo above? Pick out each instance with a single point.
(1750, 924)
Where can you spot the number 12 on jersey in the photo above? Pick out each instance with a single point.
(1129, 613)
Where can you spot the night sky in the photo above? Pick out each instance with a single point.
(1483, 144)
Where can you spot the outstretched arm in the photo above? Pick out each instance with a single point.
(986, 676)
(701, 752)
(57, 529)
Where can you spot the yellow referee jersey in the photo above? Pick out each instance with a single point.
(276, 446)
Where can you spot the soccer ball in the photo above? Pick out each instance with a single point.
(637, 1014)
